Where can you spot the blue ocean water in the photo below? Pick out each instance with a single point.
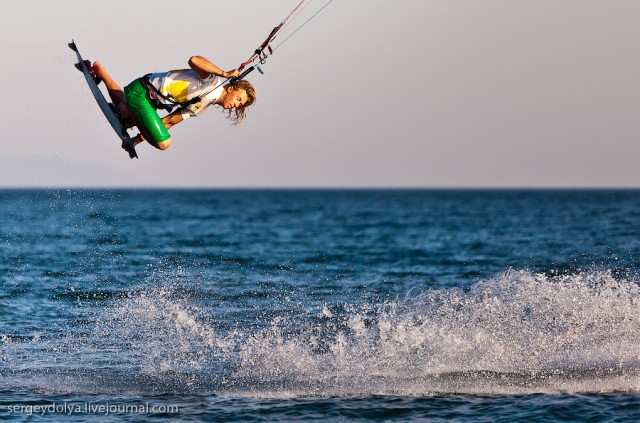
(346, 305)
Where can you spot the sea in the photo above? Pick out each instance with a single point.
(150, 305)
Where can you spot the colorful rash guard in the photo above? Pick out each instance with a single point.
(183, 85)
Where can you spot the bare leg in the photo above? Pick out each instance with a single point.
(137, 139)
(163, 145)
(114, 90)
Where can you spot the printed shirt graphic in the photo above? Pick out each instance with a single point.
(185, 84)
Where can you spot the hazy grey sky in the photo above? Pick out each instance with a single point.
(406, 93)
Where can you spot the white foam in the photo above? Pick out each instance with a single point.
(519, 332)
(162, 331)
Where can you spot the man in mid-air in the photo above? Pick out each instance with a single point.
(189, 91)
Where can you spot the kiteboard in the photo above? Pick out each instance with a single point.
(106, 107)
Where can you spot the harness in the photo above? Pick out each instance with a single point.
(155, 94)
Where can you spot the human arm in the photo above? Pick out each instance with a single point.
(172, 119)
(204, 68)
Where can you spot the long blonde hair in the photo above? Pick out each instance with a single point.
(237, 114)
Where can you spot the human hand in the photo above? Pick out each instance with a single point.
(232, 74)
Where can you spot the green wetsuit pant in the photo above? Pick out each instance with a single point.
(144, 112)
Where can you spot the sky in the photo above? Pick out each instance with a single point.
(370, 93)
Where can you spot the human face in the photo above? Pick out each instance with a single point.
(233, 98)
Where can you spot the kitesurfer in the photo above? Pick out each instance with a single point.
(189, 91)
